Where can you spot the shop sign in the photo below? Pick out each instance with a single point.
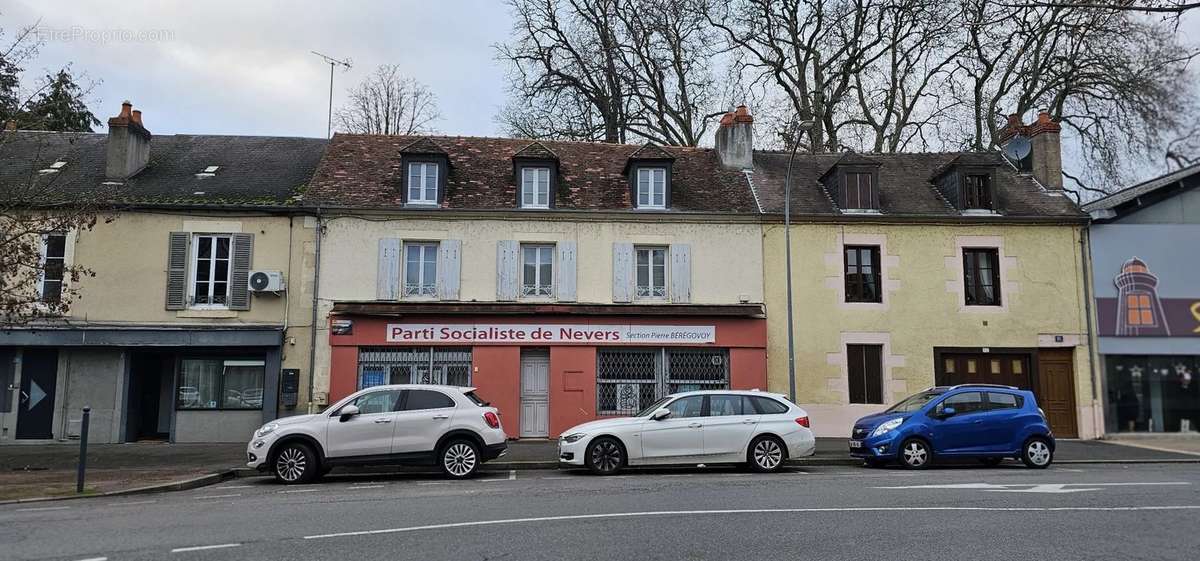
(551, 333)
(1138, 311)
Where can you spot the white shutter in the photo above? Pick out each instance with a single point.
(566, 271)
(449, 266)
(623, 278)
(387, 279)
(508, 259)
(681, 273)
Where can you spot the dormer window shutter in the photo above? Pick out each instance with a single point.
(858, 189)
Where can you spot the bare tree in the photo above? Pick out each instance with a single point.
(387, 102)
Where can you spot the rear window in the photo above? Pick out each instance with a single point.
(768, 406)
(476, 399)
(426, 399)
(998, 400)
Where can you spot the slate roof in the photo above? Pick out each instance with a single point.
(365, 171)
(905, 183)
(253, 170)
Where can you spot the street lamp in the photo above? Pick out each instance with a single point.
(787, 243)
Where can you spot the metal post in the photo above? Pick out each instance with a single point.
(329, 124)
(83, 438)
(787, 244)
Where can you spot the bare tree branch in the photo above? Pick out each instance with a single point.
(387, 102)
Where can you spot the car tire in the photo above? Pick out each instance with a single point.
(915, 454)
(459, 458)
(295, 463)
(766, 454)
(605, 456)
(1037, 453)
(991, 461)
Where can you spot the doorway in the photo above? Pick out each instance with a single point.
(149, 398)
(1056, 390)
(35, 404)
(535, 394)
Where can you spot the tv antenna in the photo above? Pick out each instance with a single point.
(332, 62)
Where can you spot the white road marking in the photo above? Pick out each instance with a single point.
(434, 483)
(551, 478)
(299, 491)
(678, 474)
(219, 496)
(366, 487)
(512, 474)
(1035, 487)
(42, 509)
(754, 511)
(204, 547)
(137, 503)
(95, 559)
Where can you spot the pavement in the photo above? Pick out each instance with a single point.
(1086, 511)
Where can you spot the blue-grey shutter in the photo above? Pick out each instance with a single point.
(239, 277)
(566, 271)
(177, 258)
(623, 287)
(508, 260)
(449, 266)
(387, 278)
(681, 273)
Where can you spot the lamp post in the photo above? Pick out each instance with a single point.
(787, 244)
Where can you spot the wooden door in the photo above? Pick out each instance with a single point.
(1008, 369)
(1056, 390)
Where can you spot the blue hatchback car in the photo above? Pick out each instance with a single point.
(983, 421)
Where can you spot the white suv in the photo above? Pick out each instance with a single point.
(401, 424)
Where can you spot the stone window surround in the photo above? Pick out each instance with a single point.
(836, 262)
(893, 389)
(1008, 264)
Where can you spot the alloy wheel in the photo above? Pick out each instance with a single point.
(291, 464)
(606, 456)
(1038, 452)
(460, 459)
(767, 454)
(915, 454)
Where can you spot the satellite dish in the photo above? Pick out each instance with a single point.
(1017, 148)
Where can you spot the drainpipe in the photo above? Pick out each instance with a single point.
(312, 343)
(1085, 251)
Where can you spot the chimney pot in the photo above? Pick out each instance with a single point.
(136, 116)
(727, 119)
(742, 115)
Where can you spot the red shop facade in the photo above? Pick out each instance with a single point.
(548, 367)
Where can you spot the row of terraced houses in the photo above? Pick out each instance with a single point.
(240, 279)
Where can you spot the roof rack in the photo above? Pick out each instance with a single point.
(1002, 386)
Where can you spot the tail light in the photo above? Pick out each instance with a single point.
(491, 419)
(802, 421)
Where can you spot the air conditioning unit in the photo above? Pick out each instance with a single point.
(267, 281)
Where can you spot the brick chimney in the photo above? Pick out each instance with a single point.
(1045, 157)
(735, 139)
(128, 144)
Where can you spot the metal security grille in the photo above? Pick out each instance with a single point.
(629, 379)
(419, 365)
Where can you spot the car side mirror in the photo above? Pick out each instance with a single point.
(347, 412)
(660, 414)
(944, 412)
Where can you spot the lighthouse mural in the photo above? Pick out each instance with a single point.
(1139, 310)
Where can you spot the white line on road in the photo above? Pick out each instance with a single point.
(299, 491)
(678, 474)
(551, 478)
(95, 559)
(219, 496)
(137, 503)
(41, 509)
(512, 474)
(366, 487)
(755, 511)
(204, 547)
(435, 483)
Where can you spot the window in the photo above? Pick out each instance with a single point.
(1138, 310)
(767, 406)
(687, 407)
(860, 190)
(422, 183)
(977, 192)
(981, 269)
(997, 400)
(651, 272)
(375, 402)
(725, 405)
(426, 399)
(862, 274)
(966, 402)
(537, 271)
(416, 365)
(652, 188)
(628, 379)
(210, 270)
(535, 187)
(54, 250)
(220, 384)
(420, 269)
(865, 368)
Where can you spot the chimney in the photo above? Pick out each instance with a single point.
(735, 139)
(1045, 154)
(128, 144)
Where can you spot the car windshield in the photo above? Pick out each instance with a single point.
(913, 402)
(652, 407)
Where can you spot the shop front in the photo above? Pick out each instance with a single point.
(547, 368)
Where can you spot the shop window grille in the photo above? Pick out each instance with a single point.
(418, 365)
(629, 379)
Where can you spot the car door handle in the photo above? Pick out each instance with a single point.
(977, 421)
(381, 421)
(747, 421)
(695, 425)
(441, 417)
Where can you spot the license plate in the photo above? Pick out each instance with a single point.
(854, 444)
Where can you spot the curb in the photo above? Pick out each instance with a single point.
(182, 485)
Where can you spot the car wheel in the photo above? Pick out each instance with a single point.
(1037, 453)
(295, 463)
(460, 459)
(605, 456)
(766, 454)
(991, 462)
(915, 454)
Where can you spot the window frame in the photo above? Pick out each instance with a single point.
(843, 188)
(43, 264)
(972, 280)
(636, 181)
(194, 265)
(550, 249)
(521, 186)
(854, 288)
(1134, 308)
(986, 199)
(666, 272)
(408, 187)
(224, 360)
(404, 268)
(866, 389)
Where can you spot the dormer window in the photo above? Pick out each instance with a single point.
(652, 187)
(977, 191)
(423, 183)
(853, 183)
(535, 187)
(858, 191)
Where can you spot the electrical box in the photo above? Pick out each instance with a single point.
(289, 387)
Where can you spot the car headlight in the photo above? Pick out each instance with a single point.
(887, 427)
(574, 437)
(266, 429)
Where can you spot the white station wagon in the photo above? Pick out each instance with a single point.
(757, 428)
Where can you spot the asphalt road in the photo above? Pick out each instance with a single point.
(1141, 511)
